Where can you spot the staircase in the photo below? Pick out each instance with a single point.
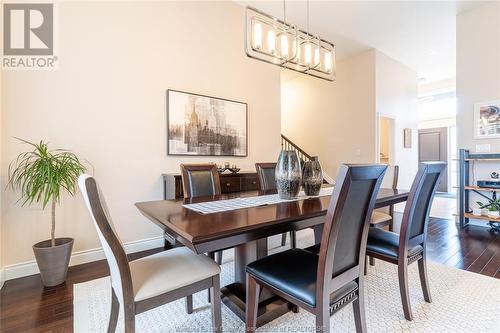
(287, 144)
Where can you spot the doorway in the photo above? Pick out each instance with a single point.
(385, 140)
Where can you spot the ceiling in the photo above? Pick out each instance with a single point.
(419, 34)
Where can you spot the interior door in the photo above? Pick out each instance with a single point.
(433, 146)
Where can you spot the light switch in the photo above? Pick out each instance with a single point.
(483, 148)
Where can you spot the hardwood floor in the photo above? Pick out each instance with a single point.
(25, 306)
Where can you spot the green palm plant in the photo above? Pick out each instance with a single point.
(43, 174)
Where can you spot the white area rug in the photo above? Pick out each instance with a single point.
(462, 302)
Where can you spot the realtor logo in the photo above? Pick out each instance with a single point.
(28, 35)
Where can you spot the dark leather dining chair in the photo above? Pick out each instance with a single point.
(410, 245)
(267, 181)
(201, 180)
(322, 284)
(143, 284)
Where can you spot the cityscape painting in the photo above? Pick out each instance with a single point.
(205, 126)
(487, 120)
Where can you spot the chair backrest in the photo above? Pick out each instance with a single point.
(266, 174)
(345, 233)
(200, 180)
(391, 177)
(111, 243)
(416, 214)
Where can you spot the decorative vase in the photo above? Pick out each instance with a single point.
(288, 174)
(312, 177)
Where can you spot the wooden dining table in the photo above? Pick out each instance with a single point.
(246, 230)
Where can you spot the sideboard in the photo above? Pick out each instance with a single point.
(230, 182)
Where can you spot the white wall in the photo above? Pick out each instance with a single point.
(106, 102)
(396, 97)
(478, 69)
(478, 79)
(333, 120)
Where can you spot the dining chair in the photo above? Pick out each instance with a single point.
(410, 245)
(323, 284)
(384, 216)
(267, 181)
(200, 180)
(146, 283)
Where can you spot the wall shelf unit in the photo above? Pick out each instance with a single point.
(465, 187)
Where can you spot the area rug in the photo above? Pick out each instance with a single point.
(462, 302)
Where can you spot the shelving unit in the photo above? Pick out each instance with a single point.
(465, 187)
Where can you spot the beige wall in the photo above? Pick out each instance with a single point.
(106, 101)
(478, 69)
(334, 120)
(396, 97)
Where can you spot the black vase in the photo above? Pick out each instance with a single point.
(312, 177)
(288, 174)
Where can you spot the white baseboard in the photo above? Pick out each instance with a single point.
(80, 257)
(2, 277)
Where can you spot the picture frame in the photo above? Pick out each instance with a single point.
(407, 140)
(487, 120)
(202, 125)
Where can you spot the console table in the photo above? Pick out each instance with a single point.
(229, 182)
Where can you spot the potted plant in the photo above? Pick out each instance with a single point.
(493, 208)
(42, 175)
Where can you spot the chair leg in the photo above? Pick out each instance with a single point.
(359, 311)
(218, 257)
(211, 255)
(424, 280)
(372, 261)
(189, 304)
(115, 310)
(216, 305)
(252, 306)
(403, 288)
(323, 319)
(283, 239)
(366, 264)
(293, 239)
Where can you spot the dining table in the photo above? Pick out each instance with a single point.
(246, 230)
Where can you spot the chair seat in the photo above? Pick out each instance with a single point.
(380, 217)
(387, 243)
(169, 270)
(294, 273)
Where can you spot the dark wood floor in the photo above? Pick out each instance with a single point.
(25, 306)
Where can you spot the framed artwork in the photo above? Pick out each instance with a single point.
(487, 120)
(199, 125)
(407, 138)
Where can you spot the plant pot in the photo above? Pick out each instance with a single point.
(494, 214)
(53, 261)
(477, 211)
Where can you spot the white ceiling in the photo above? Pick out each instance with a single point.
(419, 34)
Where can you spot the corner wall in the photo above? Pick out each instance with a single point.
(478, 69)
(106, 102)
(396, 91)
(333, 120)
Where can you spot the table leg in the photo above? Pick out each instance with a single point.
(271, 306)
(318, 232)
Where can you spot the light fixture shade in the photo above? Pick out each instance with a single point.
(271, 40)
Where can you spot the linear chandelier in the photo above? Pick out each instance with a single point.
(277, 42)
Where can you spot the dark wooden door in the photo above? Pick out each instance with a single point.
(433, 147)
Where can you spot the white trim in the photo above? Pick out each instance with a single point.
(80, 257)
(2, 277)
(329, 179)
